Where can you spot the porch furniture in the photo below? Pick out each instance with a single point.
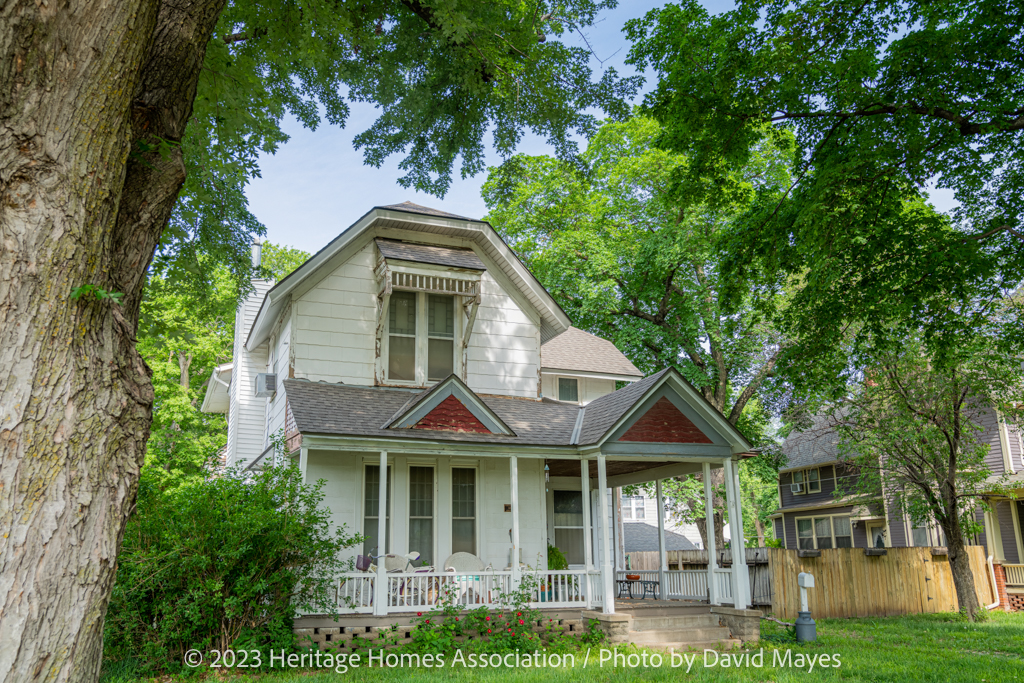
(647, 586)
(464, 563)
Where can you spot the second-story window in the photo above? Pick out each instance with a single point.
(568, 390)
(421, 337)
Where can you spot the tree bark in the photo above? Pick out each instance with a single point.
(960, 566)
(81, 202)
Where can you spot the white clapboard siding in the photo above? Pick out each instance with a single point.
(334, 324)
(282, 337)
(247, 413)
(494, 364)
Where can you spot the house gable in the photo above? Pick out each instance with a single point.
(452, 415)
(664, 423)
(449, 406)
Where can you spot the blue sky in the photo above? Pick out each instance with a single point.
(316, 185)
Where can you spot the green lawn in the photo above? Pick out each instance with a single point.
(934, 647)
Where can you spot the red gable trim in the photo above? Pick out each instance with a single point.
(451, 416)
(664, 423)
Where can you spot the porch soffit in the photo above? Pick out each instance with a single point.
(571, 468)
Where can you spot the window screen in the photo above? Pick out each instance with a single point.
(568, 522)
(463, 510)
(402, 336)
(421, 513)
(568, 390)
(440, 336)
(371, 510)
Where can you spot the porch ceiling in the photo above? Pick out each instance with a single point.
(571, 468)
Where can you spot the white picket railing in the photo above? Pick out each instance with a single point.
(421, 591)
(1014, 575)
(723, 581)
(686, 584)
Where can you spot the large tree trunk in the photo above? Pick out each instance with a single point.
(81, 84)
(960, 566)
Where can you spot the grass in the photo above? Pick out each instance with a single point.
(932, 647)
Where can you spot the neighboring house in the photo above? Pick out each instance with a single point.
(644, 538)
(642, 510)
(420, 370)
(812, 517)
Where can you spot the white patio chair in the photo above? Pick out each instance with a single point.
(463, 563)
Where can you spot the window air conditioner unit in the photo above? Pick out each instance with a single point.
(266, 384)
(796, 488)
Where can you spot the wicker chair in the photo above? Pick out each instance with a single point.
(463, 563)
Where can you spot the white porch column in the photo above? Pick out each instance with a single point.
(709, 524)
(380, 589)
(607, 573)
(514, 561)
(662, 556)
(303, 461)
(740, 577)
(588, 543)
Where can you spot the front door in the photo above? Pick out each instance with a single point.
(876, 535)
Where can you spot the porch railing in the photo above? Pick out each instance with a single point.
(1014, 575)
(685, 584)
(422, 591)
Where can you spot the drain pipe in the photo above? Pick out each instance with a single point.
(995, 589)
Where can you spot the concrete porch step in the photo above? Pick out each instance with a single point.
(646, 623)
(680, 635)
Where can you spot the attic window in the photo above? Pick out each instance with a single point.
(568, 390)
(421, 337)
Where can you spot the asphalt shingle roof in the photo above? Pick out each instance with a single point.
(640, 537)
(409, 207)
(322, 408)
(603, 412)
(816, 445)
(575, 349)
(425, 253)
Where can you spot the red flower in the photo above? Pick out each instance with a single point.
(488, 630)
(521, 622)
(487, 618)
(510, 630)
(428, 621)
(456, 618)
(419, 614)
(519, 614)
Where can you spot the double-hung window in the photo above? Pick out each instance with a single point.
(421, 513)
(568, 390)
(633, 507)
(820, 533)
(568, 523)
(371, 512)
(807, 481)
(421, 337)
(464, 510)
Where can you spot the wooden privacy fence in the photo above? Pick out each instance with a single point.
(850, 584)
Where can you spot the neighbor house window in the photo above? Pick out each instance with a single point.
(822, 533)
(920, 535)
(463, 510)
(634, 507)
(371, 512)
(421, 513)
(807, 481)
(568, 522)
(421, 336)
(568, 390)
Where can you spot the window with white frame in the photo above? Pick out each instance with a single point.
(421, 337)
(371, 511)
(568, 523)
(421, 513)
(806, 481)
(634, 507)
(464, 510)
(568, 390)
(820, 533)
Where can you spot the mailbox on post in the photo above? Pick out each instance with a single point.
(806, 631)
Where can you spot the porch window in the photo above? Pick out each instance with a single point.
(371, 512)
(402, 337)
(421, 336)
(568, 390)
(421, 513)
(568, 509)
(464, 510)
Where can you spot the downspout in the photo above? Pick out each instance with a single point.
(995, 589)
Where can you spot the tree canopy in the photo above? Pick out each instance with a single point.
(882, 99)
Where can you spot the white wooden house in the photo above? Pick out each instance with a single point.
(419, 368)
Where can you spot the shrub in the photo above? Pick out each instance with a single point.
(220, 564)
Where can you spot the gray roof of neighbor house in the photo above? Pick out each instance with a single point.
(577, 350)
(426, 253)
(640, 537)
(816, 445)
